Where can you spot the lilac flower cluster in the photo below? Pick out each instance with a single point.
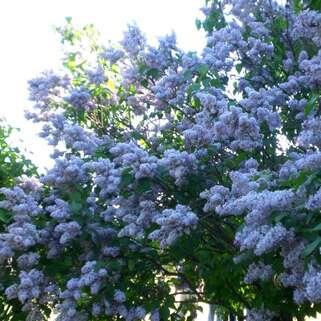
(66, 171)
(112, 55)
(47, 87)
(173, 223)
(21, 234)
(311, 71)
(242, 130)
(80, 98)
(32, 290)
(170, 89)
(258, 271)
(220, 45)
(130, 155)
(162, 57)
(29, 287)
(179, 164)
(259, 315)
(134, 41)
(107, 177)
(96, 76)
(307, 25)
(67, 231)
(89, 278)
(310, 134)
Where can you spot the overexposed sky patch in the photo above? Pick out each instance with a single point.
(29, 44)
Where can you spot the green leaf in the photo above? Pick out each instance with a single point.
(4, 216)
(315, 4)
(126, 178)
(131, 265)
(193, 88)
(164, 312)
(114, 266)
(75, 206)
(297, 5)
(187, 75)
(312, 246)
(153, 72)
(202, 69)
(143, 185)
(198, 24)
(76, 202)
(297, 181)
(316, 228)
(311, 104)
(279, 217)
(238, 67)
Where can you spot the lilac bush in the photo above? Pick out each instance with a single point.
(179, 178)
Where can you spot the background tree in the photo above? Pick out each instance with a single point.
(13, 165)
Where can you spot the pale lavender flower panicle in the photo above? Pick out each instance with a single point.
(80, 98)
(134, 41)
(258, 271)
(173, 223)
(112, 55)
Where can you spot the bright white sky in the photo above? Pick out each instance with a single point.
(29, 44)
